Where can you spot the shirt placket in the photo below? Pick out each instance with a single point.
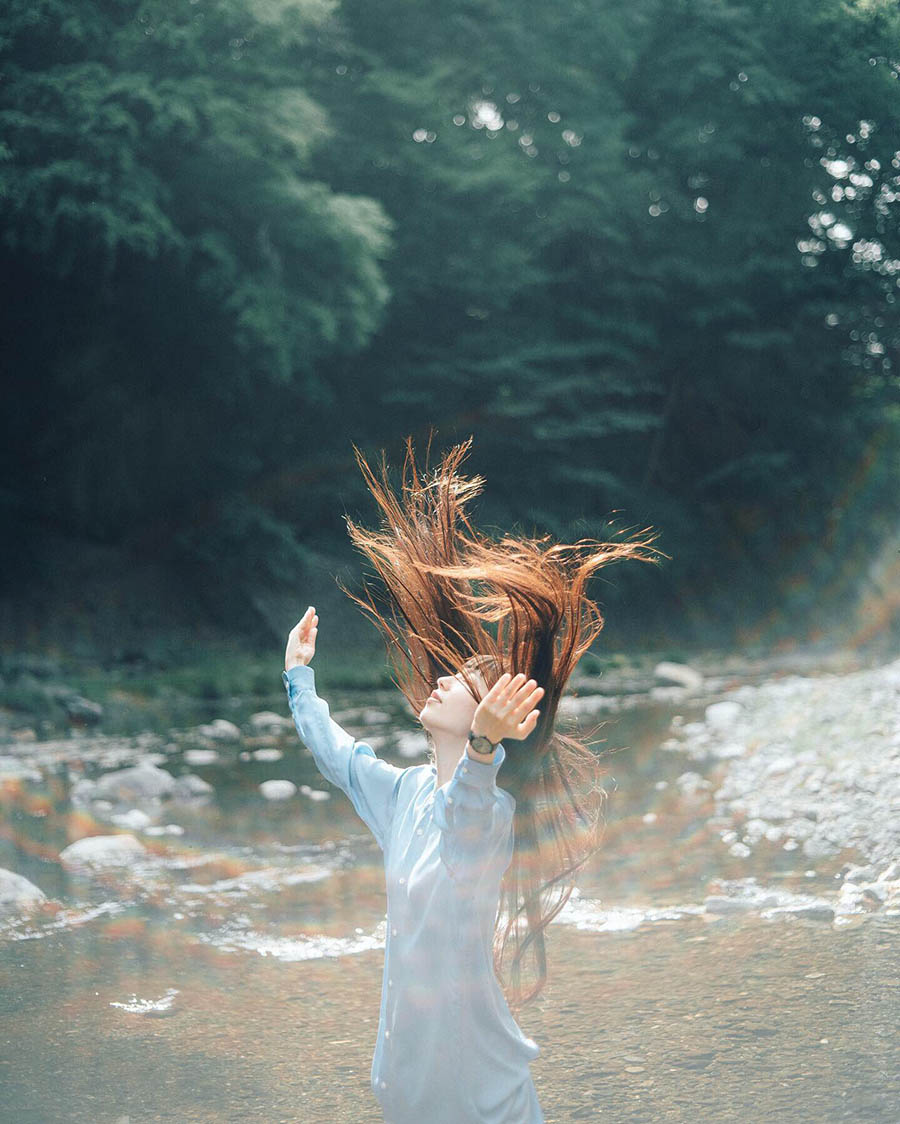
(461, 976)
(387, 1054)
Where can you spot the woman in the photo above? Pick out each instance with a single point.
(455, 830)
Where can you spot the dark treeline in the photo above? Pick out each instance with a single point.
(646, 253)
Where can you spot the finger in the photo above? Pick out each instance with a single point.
(529, 700)
(511, 688)
(495, 693)
(528, 724)
(525, 689)
(523, 694)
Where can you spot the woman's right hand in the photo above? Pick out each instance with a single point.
(301, 645)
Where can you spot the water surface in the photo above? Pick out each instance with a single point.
(233, 971)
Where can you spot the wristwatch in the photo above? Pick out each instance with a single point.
(481, 744)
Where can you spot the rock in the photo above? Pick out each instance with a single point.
(754, 830)
(727, 750)
(190, 785)
(411, 743)
(818, 847)
(779, 765)
(13, 768)
(267, 753)
(859, 874)
(571, 706)
(201, 756)
(133, 818)
(17, 894)
(671, 693)
(890, 873)
(891, 891)
(817, 759)
(717, 904)
(102, 850)
(867, 897)
(81, 711)
(83, 791)
(721, 715)
(799, 829)
(811, 912)
(220, 730)
(370, 716)
(690, 783)
(139, 782)
(278, 789)
(267, 721)
(314, 793)
(679, 673)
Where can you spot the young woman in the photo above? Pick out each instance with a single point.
(495, 806)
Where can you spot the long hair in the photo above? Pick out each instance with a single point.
(456, 602)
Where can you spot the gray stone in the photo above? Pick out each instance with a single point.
(201, 756)
(278, 789)
(717, 904)
(16, 769)
(190, 785)
(17, 894)
(81, 711)
(267, 721)
(723, 715)
(102, 850)
(679, 673)
(811, 912)
(139, 782)
(220, 730)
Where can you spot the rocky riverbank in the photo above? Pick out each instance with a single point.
(811, 763)
(801, 751)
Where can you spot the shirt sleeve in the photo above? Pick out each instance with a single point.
(475, 818)
(370, 783)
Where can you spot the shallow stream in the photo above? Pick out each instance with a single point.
(230, 970)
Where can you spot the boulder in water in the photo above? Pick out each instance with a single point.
(103, 850)
(17, 894)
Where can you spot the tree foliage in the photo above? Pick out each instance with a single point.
(647, 253)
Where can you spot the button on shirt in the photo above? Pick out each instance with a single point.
(448, 1049)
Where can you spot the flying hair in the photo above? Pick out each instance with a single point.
(453, 601)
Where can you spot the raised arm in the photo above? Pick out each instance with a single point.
(475, 818)
(370, 783)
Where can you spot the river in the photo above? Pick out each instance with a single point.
(228, 967)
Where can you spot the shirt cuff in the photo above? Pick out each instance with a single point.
(299, 676)
(481, 774)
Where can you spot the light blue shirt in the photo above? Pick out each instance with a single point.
(448, 1049)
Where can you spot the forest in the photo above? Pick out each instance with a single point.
(647, 255)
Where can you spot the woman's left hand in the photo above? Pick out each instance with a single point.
(506, 710)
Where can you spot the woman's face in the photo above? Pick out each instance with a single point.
(451, 707)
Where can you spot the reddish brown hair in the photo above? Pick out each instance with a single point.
(452, 596)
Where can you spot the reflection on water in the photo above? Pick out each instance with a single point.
(230, 967)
